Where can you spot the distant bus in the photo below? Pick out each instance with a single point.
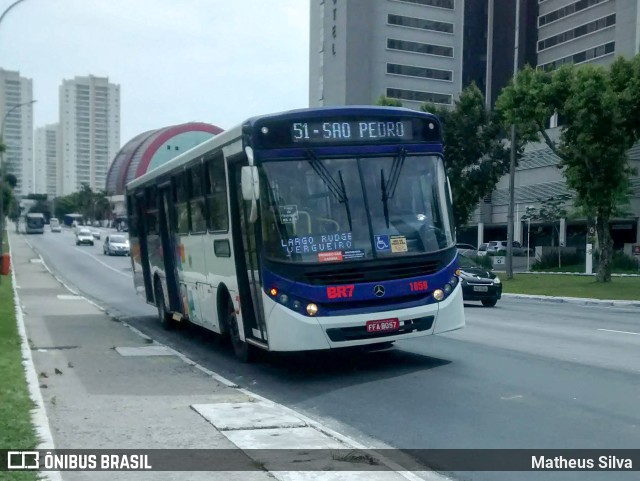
(69, 219)
(311, 229)
(34, 223)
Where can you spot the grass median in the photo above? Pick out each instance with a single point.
(620, 288)
(16, 429)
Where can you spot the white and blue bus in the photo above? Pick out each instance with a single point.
(34, 223)
(305, 230)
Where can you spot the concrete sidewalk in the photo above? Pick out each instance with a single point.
(107, 386)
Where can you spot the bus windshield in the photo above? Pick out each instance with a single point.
(35, 221)
(354, 208)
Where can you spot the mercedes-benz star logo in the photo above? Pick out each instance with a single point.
(378, 290)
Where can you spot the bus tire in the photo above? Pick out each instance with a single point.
(242, 350)
(163, 314)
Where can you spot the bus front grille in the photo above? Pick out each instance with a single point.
(361, 273)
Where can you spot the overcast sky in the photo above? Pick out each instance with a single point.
(215, 61)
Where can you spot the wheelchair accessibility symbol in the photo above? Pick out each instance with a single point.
(382, 243)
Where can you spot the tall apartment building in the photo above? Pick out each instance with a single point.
(89, 132)
(413, 50)
(46, 159)
(594, 31)
(17, 125)
(410, 50)
(489, 36)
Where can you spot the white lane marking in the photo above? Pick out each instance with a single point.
(105, 264)
(621, 332)
(99, 261)
(38, 413)
(511, 398)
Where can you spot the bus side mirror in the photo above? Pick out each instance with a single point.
(250, 183)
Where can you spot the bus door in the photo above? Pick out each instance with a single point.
(167, 236)
(245, 238)
(144, 248)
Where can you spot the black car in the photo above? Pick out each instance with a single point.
(478, 283)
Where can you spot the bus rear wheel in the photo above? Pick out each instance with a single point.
(163, 314)
(243, 351)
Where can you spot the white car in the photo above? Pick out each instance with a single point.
(500, 248)
(54, 225)
(84, 236)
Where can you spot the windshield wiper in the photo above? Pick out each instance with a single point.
(338, 190)
(388, 190)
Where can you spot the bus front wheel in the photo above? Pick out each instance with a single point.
(243, 351)
(163, 314)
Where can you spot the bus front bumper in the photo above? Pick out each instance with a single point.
(291, 331)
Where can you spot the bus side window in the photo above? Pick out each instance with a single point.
(196, 200)
(182, 204)
(216, 194)
(151, 206)
(133, 215)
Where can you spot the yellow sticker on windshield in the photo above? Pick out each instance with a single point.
(398, 244)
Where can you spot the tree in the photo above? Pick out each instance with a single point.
(601, 113)
(476, 154)
(7, 197)
(551, 210)
(41, 207)
(383, 100)
(65, 205)
(11, 179)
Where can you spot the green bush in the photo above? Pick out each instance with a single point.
(620, 262)
(550, 261)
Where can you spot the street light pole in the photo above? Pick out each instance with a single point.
(4, 14)
(528, 235)
(512, 165)
(8, 9)
(2, 167)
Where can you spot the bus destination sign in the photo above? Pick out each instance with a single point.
(352, 131)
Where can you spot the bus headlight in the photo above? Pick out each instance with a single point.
(448, 288)
(438, 294)
(284, 298)
(312, 309)
(454, 281)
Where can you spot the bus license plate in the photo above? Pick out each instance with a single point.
(383, 325)
(481, 288)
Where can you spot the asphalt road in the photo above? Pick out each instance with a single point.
(525, 374)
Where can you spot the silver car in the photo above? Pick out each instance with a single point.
(116, 245)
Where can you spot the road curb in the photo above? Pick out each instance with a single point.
(574, 300)
(38, 413)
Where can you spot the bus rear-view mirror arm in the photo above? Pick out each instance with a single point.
(251, 189)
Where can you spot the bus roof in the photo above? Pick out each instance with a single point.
(228, 137)
(343, 110)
